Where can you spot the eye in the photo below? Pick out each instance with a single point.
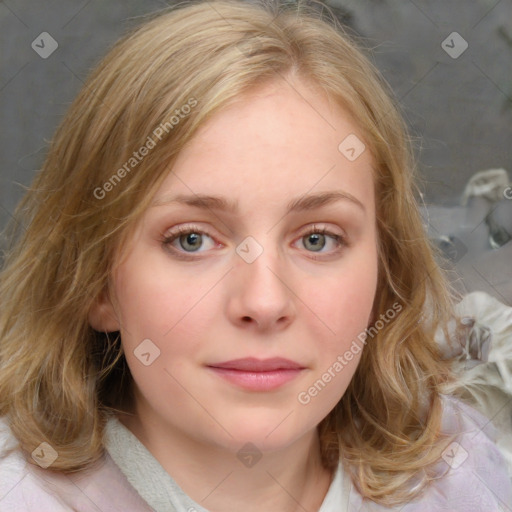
(315, 240)
(188, 239)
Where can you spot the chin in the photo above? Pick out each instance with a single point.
(270, 432)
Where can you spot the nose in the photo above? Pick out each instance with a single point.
(261, 296)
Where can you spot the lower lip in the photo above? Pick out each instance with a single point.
(257, 381)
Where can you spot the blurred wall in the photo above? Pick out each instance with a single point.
(456, 95)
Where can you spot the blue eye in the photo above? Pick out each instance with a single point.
(192, 241)
(316, 239)
(185, 241)
(189, 239)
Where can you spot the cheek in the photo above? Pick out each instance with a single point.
(344, 306)
(156, 301)
(344, 303)
(173, 311)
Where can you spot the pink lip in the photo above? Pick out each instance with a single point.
(256, 374)
(251, 364)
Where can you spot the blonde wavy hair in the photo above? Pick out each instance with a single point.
(60, 379)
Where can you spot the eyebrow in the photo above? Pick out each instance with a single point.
(300, 204)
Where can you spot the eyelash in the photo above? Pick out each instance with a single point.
(186, 230)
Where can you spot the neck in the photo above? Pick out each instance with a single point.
(288, 480)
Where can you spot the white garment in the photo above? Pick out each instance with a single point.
(478, 483)
(159, 489)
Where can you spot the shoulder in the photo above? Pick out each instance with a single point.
(26, 487)
(471, 474)
(19, 489)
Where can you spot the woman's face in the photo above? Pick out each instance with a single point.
(261, 243)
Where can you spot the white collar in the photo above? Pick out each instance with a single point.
(160, 490)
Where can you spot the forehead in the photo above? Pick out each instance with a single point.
(282, 140)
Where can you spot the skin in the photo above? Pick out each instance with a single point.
(276, 144)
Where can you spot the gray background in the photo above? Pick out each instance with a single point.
(459, 109)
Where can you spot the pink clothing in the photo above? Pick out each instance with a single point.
(473, 477)
(25, 487)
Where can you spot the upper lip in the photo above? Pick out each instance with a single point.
(252, 364)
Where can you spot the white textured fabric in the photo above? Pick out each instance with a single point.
(490, 183)
(477, 483)
(472, 476)
(484, 362)
(337, 498)
(144, 472)
(26, 487)
(159, 490)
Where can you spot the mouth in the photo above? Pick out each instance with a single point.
(252, 364)
(258, 374)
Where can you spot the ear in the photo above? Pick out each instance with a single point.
(102, 316)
